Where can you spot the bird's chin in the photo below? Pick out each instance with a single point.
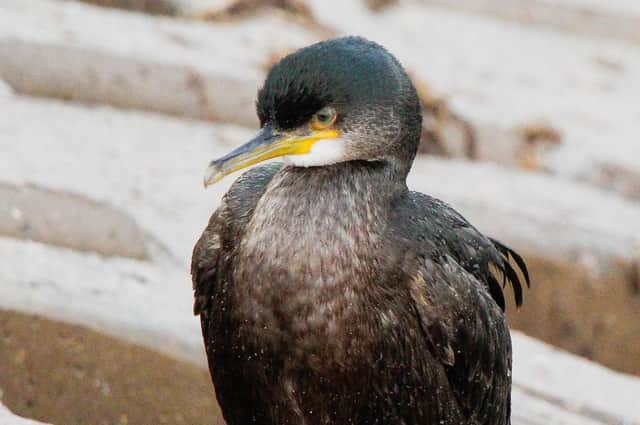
(323, 152)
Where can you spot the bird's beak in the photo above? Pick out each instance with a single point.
(267, 144)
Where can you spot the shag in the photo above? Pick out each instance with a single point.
(328, 292)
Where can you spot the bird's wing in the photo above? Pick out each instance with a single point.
(225, 227)
(459, 306)
(488, 260)
(466, 331)
(211, 268)
(205, 260)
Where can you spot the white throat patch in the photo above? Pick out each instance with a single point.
(323, 152)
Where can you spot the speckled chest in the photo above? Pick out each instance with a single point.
(307, 267)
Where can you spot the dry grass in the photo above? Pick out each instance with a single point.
(536, 139)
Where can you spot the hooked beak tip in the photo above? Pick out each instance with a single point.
(211, 175)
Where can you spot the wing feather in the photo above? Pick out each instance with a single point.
(476, 253)
(467, 332)
(460, 304)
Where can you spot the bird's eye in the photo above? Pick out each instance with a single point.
(323, 118)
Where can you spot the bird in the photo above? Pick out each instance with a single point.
(330, 293)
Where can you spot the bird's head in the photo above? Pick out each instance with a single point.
(338, 100)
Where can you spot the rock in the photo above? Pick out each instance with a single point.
(68, 220)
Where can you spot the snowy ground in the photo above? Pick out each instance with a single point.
(150, 166)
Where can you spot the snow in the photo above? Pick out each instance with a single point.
(129, 161)
(8, 418)
(195, 7)
(592, 389)
(148, 303)
(618, 6)
(5, 89)
(537, 212)
(504, 73)
(147, 166)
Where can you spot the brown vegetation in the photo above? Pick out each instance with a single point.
(153, 7)
(444, 133)
(380, 5)
(536, 138)
(68, 375)
(240, 9)
(594, 315)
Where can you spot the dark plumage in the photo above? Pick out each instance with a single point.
(331, 294)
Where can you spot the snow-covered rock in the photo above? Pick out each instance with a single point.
(61, 218)
(589, 392)
(92, 54)
(151, 166)
(496, 74)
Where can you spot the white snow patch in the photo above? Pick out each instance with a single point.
(535, 211)
(592, 389)
(9, 418)
(5, 90)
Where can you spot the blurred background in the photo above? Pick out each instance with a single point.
(111, 109)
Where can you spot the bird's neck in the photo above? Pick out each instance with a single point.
(354, 178)
(349, 191)
(324, 215)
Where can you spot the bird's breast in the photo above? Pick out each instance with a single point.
(305, 272)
